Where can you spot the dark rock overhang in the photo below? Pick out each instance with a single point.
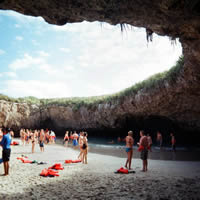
(173, 18)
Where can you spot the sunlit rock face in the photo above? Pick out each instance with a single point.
(177, 100)
(17, 115)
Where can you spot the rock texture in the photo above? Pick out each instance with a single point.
(177, 100)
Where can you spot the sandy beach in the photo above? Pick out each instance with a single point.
(97, 180)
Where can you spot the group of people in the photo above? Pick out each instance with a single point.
(40, 137)
(78, 139)
(48, 137)
(144, 145)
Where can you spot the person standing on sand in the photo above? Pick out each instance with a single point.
(149, 142)
(22, 136)
(144, 150)
(41, 140)
(1, 134)
(80, 141)
(75, 139)
(159, 139)
(129, 149)
(66, 138)
(33, 139)
(173, 142)
(5, 143)
(85, 148)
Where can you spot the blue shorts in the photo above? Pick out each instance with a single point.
(41, 144)
(128, 149)
(75, 142)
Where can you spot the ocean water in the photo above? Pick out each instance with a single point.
(101, 145)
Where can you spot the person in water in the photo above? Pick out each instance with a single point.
(5, 143)
(129, 149)
(84, 148)
(159, 139)
(144, 152)
(173, 142)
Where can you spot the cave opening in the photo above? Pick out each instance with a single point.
(31, 62)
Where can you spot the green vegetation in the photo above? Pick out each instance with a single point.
(76, 102)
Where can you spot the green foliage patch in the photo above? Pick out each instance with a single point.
(76, 102)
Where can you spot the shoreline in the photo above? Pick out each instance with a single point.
(97, 180)
(156, 154)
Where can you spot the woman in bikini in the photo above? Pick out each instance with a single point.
(129, 149)
(85, 148)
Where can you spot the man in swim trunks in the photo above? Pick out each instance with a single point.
(75, 139)
(5, 143)
(66, 138)
(41, 140)
(129, 149)
(144, 152)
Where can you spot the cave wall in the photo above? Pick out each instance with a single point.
(176, 100)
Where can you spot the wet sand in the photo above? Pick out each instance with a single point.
(97, 180)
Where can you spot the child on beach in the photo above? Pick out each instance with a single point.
(5, 143)
(144, 150)
(129, 149)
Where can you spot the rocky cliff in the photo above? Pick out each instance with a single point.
(177, 100)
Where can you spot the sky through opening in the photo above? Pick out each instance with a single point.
(80, 59)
